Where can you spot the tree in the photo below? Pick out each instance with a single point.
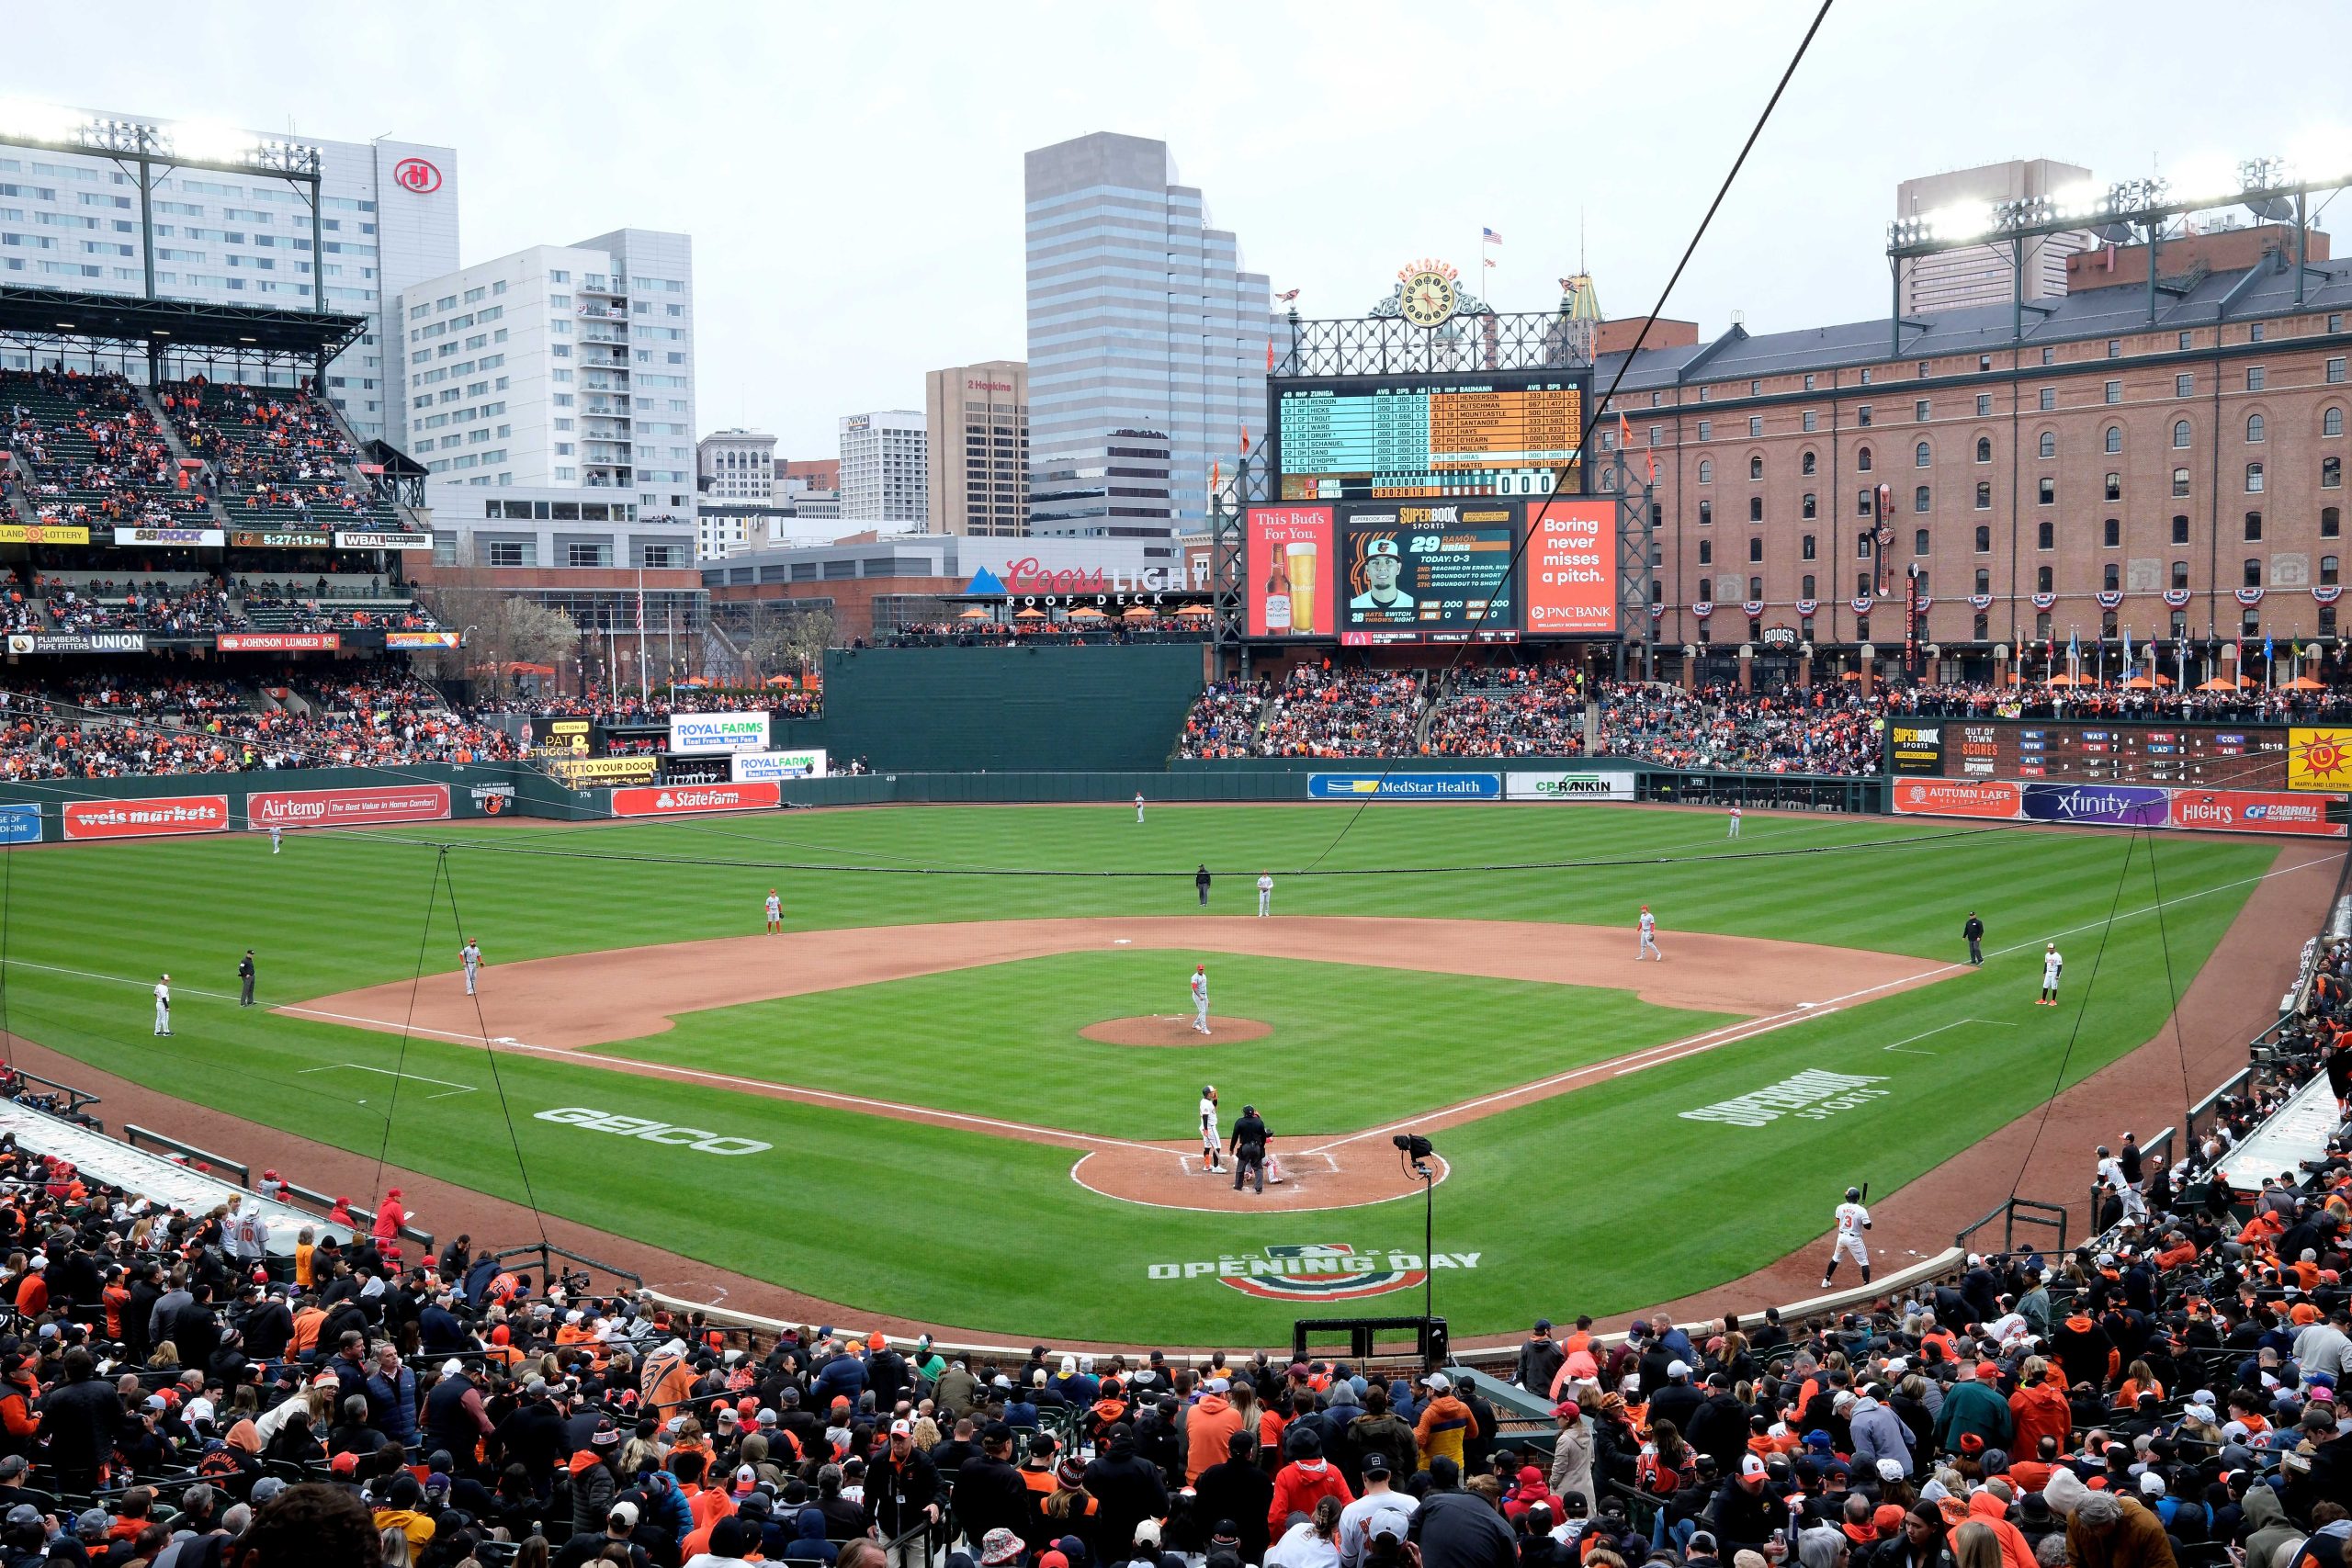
(503, 630)
(790, 642)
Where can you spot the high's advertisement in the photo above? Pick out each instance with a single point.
(345, 807)
(145, 818)
(1572, 568)
(692, 732)
(2256, 811)
(1433, 571)
(1289, 566)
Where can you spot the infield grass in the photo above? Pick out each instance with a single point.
(1602, 1199)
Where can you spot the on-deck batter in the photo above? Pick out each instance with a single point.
(1852, 1220)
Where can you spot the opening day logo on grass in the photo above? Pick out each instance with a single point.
(1813, 1096)
(1318, 1270)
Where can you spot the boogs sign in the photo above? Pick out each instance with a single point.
(1317, 1272)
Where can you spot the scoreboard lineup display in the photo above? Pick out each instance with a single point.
(1415, 437)
(2254, 758)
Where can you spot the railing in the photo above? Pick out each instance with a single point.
(2157, 1152)
(2013, 1212)
(547, 1253)
(75, 1099)
(140, 1137)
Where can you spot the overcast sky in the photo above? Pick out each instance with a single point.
(851, 175)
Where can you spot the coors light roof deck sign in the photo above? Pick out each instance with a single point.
(705, 732)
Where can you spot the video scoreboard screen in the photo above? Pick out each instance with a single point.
(1428, 436)
(1427, 573)
(2036, 751)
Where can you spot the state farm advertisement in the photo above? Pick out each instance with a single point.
(2251, 811)
(1957, 797)
(146, 819)
(1290, 563)
(1572, 568)
(345, 807)
(678, 800)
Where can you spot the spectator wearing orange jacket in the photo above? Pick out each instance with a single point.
(2039, 1409)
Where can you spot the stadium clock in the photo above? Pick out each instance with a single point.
(1426, 298)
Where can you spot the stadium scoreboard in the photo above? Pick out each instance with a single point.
(2198, 756)
(1428, 436)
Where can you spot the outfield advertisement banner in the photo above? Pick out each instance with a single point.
(580, 772)
(77, 642)
(19, 823)
(278, 642)
(145, 818)
(1404, 786)
(345, 807)
(686, 799)
(1957, 797)
(208, 538)
(2319, 756)
(1918, 748)
(2253, 811)
(719, 732)
(758, 766)
(1584, 785)
(2119, 806)
(43, 534)
(350, 539)
(421, 640)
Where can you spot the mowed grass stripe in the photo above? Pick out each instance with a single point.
(1002, 1041)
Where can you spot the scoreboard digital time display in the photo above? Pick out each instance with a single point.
(1428, 436)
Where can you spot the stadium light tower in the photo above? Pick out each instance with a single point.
(2276, 189)
(185, 145)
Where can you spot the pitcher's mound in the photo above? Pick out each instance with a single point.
(1179, 1030)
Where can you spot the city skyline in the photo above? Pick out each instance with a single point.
(897, 192)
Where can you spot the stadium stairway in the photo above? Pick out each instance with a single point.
(180, 448)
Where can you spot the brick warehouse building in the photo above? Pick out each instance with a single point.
(2170, 473)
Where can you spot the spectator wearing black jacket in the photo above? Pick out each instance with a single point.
(989, 1493)
(80, 1417)
(1127, 1488)
(1238, 1489)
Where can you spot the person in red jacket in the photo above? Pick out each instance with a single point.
(390, 1218)
(1305, 1481)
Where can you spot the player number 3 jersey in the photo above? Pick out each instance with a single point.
(1851, 1218)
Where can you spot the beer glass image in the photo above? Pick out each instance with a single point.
(1299, 567)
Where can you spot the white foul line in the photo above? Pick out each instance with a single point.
(1955, 1023)
(453, 1089)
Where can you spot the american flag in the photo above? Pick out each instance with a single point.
(1487, 236)
(1284, 299)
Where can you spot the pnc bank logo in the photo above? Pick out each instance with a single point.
(416, 177)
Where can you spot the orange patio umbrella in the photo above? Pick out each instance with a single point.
(973, 614)
(2304, 683)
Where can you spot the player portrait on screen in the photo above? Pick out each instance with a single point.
(1376, 569)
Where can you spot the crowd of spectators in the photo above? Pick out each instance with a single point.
(90, 455)
(350, 715)
(1320, 710)
(197, 608)
(270, 449)
(1223, 721)
(2283, 704)
(627, 707)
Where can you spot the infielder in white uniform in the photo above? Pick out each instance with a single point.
(1212, 1146)
(2050, 964)
(1138, 808)
(1852, 1220)
(164, 1005)
(1649, 937)
(471, 956)
(775, 913)
(1265, 894)
(1734, 824)
(1200, 997)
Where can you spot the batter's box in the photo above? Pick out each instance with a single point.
(1312, 1164)
(1910, 1046)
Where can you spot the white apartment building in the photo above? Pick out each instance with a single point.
(559, 367)
(552, 526)
(885, 467)
(736, 464)
(388, 217)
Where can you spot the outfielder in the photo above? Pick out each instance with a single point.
(2051, 962)
(1211, 1147)
(1734, 824)
(276, 838)
(1138, 808)
(775, 913)
(1265, 894)
(164, 1005)
(470, 956)
(1649, 937)
(1200, 997)
(1852, 1220)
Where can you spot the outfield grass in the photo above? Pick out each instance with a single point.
(1004, 1040)
(1598, 1201)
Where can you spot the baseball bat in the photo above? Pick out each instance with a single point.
(1866, 1191)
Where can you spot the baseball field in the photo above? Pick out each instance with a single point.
(960, 1089)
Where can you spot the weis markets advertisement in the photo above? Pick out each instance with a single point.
(145, 818)
(680, 800)
(345, 807)
(719, 732)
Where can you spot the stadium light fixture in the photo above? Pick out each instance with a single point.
(38, 121)
(1962, 221)
(2205, 181)
(206, 141)
(2322, 152)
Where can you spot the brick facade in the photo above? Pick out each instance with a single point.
(2039, 412)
